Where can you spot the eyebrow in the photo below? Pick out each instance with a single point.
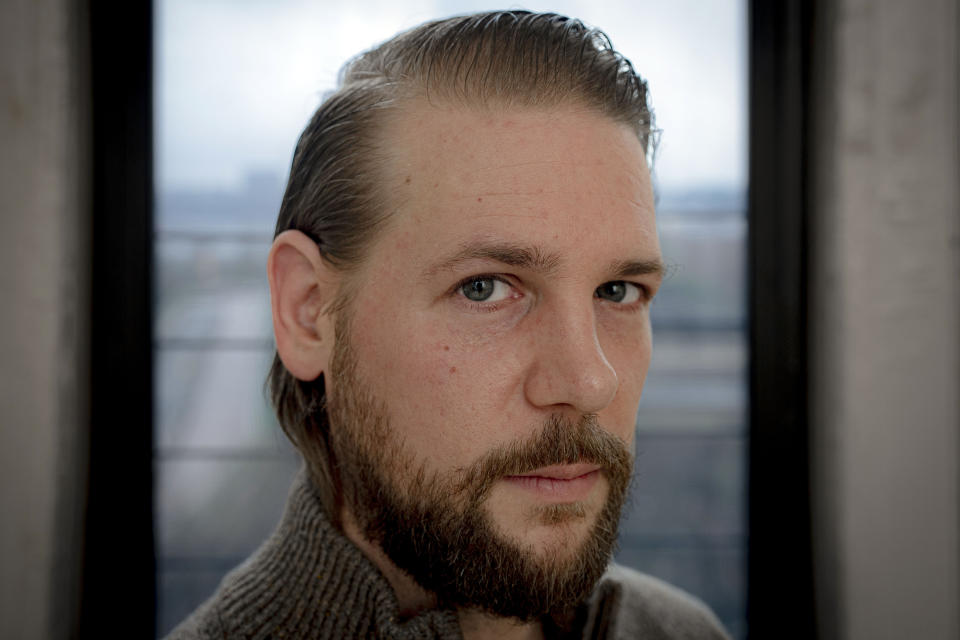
(627, 268)
(531, 258)
(534, 259)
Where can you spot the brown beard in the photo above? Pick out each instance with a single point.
(434, 527)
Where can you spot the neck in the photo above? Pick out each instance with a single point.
(413, 599)
(476, 625)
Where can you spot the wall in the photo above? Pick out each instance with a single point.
(885, 287)
(43, 327)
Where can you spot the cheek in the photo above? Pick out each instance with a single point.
(629, 354)
(628, 347)
(442, 397)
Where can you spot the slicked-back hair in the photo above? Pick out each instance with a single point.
(495, 60)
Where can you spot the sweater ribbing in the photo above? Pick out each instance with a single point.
(309, 581)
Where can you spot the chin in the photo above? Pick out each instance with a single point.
(551, 531)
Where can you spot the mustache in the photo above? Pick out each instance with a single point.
(560, 441)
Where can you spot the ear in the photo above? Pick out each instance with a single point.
(302, 286)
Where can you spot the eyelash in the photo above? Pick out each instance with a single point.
(481, 306)
(643, 298)
(490, 307)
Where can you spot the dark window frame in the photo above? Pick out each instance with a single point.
(780, 602)
(119, 563)
(118, 554)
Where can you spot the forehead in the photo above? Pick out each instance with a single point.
(554, 178)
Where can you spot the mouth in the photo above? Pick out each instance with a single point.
(558, 484)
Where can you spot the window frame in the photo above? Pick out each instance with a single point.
(780, 600)
(780, 583)
(118, 551)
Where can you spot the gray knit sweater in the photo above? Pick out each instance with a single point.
(309, 581)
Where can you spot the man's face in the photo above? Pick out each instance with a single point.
(498, 337)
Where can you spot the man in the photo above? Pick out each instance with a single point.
(461, 280)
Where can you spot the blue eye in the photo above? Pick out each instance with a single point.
(618, 291)
(478, 290)
(484, 289)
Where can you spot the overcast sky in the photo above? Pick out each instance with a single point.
(238, 80)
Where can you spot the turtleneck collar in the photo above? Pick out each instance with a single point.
(309, 581)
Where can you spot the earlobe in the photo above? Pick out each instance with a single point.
(302, 285)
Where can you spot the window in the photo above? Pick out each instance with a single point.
(235, 84)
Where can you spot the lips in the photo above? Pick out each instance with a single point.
(561, 471)
(558, 483)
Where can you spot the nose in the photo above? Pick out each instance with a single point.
(569, 367)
